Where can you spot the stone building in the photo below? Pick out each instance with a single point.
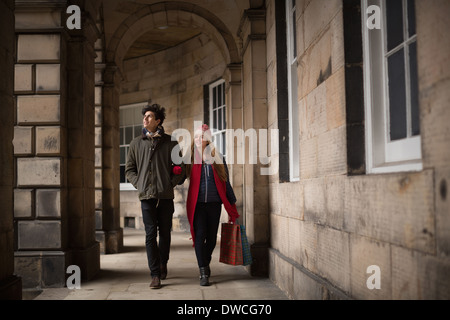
(349, 200)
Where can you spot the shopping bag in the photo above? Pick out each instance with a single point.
(246, 253)
(231, 244)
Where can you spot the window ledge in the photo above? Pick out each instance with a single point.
(402, 166)
(127, 187)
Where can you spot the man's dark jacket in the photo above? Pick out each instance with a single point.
(149, 167)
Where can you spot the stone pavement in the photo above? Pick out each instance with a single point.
(125, 276)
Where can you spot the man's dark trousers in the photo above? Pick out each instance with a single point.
(157, 215)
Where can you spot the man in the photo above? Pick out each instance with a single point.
(150, 169)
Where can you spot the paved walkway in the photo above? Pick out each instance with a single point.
(125, 276)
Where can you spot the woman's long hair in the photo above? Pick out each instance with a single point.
(217, 164)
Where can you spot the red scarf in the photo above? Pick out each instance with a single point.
(194, 188)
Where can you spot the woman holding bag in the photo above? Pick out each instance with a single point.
(209, 188)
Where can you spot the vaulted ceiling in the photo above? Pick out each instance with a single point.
(116, 12)
(160, 39)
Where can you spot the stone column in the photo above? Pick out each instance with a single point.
(234, 121)
(99, 71)
(10, 285)
(40, 213)
(54, 145)
(80, 66)
(111, 162)
(255, 116)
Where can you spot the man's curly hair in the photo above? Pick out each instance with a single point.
(160, 112)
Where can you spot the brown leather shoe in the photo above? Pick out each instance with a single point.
(163, 269)
(156, 283)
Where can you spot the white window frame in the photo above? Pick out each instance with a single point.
(139, 106)
(215, 132)
(383, 155)
(294, 130)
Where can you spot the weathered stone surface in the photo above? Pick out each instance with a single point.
(48, 203)
(38, 47)
(34, 235)
(23, 203)
(23, 141)
(395, 208)
(48, 140)
(23, 77)
(419, 276)
(38, 109)
(333, 257)
(48, 77)
(38, 172)
(442, 194)
(41, 269)
(366, 252)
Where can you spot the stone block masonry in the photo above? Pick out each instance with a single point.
(54, 147)
(343, 221)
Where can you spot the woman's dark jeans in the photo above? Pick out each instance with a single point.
(206, 225)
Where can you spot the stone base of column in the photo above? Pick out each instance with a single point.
(11, 288)
(260, 265)
(113, 241)
(100, 238)
(88, 259)
(41, 269)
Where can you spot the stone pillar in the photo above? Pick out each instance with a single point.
(54, 145)
(80, 66)
(39, 146)
(99, 71)
(234, 121)
(111, 162)
(255, 116)
(10, 285)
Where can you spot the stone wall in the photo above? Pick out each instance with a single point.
(54, 147)
(174, 79)
(329, 227)
(10, 285)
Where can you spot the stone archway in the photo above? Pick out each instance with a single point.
(173, 14)
(180, 14)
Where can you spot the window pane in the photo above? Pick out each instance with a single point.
(122, 155)
(128, 135)
(397, 96)
(219, 127)
(219, 142)
(224, 139)
(137, 131)
(294, 35)
(214, 105)
(214, 125)
(394, 18)
(122, 136)
(219, 88)
(415, 117)
(224, 110)
(411, 18)
(223, 93)
(122, 174)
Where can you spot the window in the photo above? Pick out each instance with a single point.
(217, 115)
(294, 155)
(130, 128)
(391, 89)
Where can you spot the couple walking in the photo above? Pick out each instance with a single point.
(151, 171)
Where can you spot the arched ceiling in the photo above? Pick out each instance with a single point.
(159, 39)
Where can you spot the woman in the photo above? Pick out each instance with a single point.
(209, 188)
